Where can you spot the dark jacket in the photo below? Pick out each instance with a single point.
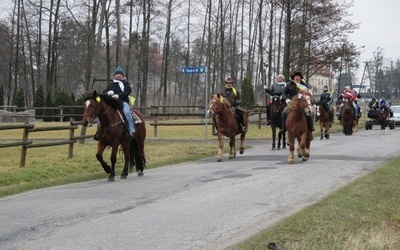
(290, 90)
(115, 86)
(233, 95)
(326, 98)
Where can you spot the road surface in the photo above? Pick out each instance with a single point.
(197, 205)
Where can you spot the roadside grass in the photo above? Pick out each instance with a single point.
(362, 215)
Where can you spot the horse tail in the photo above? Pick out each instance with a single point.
(137, 156)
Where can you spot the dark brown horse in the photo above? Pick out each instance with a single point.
(227, 125)
(324, 120)
(276, 122)
(296, 125)
(113, 132)
(347, 116)
(384, 115)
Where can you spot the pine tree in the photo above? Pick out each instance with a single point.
(39, 100)
(1, 95)
(247, 93)
(19, 100)
(49, 112)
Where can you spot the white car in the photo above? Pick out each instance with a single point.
(396, 114)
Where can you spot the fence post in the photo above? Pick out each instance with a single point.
(71, 136)
(155, 112)
(61, 113)
(24, 148)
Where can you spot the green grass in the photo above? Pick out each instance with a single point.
(363, 215)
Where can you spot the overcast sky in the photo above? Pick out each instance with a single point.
(379, 27)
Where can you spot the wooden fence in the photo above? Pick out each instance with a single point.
(30, 128)
(158, 112)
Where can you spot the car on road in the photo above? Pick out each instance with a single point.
(396, 114)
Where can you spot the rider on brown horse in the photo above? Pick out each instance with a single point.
(349, 94)
(276, 89)
(326, 100)
(292, 89)
(120, 89)
(234, 97)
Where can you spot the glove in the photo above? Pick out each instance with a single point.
(115, 96)
(110, 92)
(287, 101)
(265, 87)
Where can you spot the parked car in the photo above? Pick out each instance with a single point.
(396, 114)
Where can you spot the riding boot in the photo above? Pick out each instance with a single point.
(310, 123)
(283, 128)
(316, 118)
(331, 116)
(268, 114)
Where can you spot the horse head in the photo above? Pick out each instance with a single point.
(303, 101)
(92, 109)
(217, 104)
(276, 104)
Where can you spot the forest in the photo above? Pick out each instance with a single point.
(56, 51)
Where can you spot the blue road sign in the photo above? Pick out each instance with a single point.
(194, 70)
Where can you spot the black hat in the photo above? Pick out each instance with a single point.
(297, 74)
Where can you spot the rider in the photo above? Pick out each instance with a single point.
(349, 94)
(326, 100)
(292, 89)
(119, 88)
(383, 101)
(235, 98)
(373, 103)
(276, 89)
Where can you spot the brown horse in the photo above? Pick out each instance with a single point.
(324, 120)
(347, 116)
(227, 125)
(276, 122)
(296, 125)
(384, 115)
(113, 132)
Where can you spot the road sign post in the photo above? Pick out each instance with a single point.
(200, 70)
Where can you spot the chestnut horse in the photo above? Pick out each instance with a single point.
(347, 116)
(296, 125)
(227, 125)
(113, 132)
(276, 122)
(324, 120)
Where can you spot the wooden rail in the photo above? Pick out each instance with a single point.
(30, 128)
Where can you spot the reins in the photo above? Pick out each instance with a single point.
(102, 113)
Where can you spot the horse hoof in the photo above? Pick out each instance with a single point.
(241, 151)
(220, 160)
(231, 157)
(273, 148)
(278, 148)
(140, 173)
(123, 176)
(304, 159)
(290, 161)
(111, 178)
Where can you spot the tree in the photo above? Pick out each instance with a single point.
(39, 100)
(19, 100)
(247, 93)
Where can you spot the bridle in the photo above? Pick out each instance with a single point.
(104, 112)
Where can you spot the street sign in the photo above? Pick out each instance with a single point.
(194, 70)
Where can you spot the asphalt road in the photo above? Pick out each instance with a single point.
(198, 205)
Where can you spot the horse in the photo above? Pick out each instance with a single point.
(384, 115)
(347, 116)
(227, 125)
(324, 120)
(113, 132)
(296, 125)
(276, 122)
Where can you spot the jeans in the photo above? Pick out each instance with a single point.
(129, 118)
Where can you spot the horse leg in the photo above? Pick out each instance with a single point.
(283, 140)
(273, 128)
(321, 125)
(279, 140)
(232, 150)
(241, 148)
(125, 150)
(220, 147)
(113, 158)
(303, 145)
(99, 156)
(291, 149)
(140, 158)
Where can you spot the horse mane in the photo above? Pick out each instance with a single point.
(223, 100)
(115, 103)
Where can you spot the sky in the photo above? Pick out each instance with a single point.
(379, 27)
